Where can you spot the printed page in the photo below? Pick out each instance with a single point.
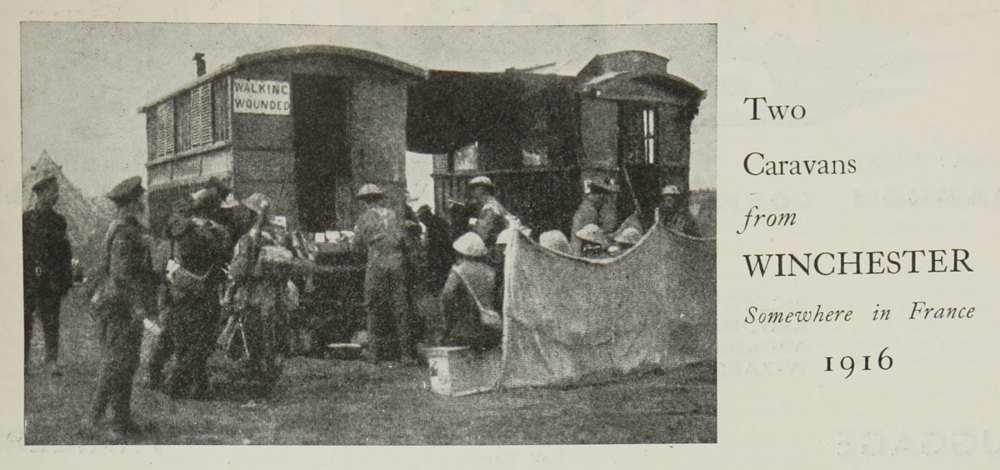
(811, 282)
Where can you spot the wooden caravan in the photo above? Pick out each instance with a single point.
(542, 138)
(306, 126)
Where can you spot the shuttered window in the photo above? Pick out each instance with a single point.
(182, 110)
(165, 129)
(221, 111)
(151, 145)
(196, 118)
(201, 115)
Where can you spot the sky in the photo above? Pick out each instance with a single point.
(83, 83)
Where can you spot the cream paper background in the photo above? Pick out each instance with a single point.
(905, 88)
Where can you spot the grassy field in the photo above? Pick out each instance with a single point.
(327, 402)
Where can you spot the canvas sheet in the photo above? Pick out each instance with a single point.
(568, 319)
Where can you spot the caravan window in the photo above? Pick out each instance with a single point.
(637, 136)
(195, 118)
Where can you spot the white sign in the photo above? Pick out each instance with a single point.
(262, 96)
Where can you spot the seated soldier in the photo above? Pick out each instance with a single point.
(675, 211)
(467, 299)
(595, 242)
(555, 241)
(625, 240)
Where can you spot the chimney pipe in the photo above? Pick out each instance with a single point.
(199, 59)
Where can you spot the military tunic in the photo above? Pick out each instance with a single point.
(200, 247)
(379, 233)
(48, 275)
(491, 221)
(259, 296)
(682, 221)
(439, 252)
(468, 289)
(130, 289)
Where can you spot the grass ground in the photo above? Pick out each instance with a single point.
(327, 402)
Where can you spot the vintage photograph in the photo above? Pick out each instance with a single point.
(316, 235)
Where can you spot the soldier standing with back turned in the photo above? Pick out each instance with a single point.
(379, 234)
(48, 272)
(201, 247)
(126, 297)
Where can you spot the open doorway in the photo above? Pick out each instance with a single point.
(319, 111)
(419, 182)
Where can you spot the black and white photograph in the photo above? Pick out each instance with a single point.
(272, 235)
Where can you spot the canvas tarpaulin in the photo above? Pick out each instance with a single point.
(568, 319)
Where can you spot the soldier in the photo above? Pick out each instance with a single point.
(125, 298)
(228, 212)
(467, 295)
(492, 215)
(595, 242)
(201, 247)
(259, 279)
(628, 238)
(163, 254)
(625, 240)
(48, 272)
(674, 212)
(439, 253)
(554, 240)
(379, 233)
(598, 208)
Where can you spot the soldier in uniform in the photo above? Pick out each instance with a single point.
(379, 233)
(597, 208)
(163, 254)
(595, 242)
(439, 253)
(628, 238)
(48, 271)
(467, 294)
(674, 212)
(201, 247)
(127, 296)
(554, 240)
(258, 284)
(228, 212)
(492, 216)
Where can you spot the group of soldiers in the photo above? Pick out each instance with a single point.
(472, 296)
(177, 295)
(213, 263)
(124, 297)
(597, 234)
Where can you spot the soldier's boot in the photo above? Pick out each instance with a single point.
(97, 410)
(122, 422)
(201, 387)
(54, 369)
(155, 378)
(52, 357)
(162, 351)
(178, 387)
(371, 353)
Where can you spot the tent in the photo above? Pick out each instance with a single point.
(86, 219)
